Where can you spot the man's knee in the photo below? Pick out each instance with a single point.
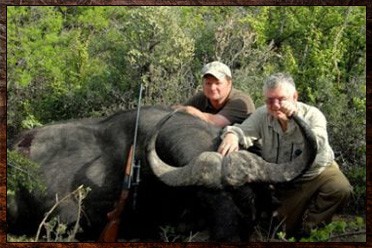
(337, 194)
(337, 185)
(344, 192)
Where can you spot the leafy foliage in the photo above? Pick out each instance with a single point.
(338, 230)
(357, 178)
(21, 171)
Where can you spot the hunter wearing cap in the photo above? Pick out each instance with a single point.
(219, 103)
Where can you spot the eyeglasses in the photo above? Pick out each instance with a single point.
(273, 100)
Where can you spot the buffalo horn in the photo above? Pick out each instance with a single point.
(212, 170)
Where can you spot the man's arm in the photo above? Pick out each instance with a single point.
(216, 119)
(244, 134)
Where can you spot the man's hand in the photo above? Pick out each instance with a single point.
(230, 143)
(288, 108)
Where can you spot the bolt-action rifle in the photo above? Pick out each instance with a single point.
(131, 172)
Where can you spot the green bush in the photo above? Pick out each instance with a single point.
(22, 172)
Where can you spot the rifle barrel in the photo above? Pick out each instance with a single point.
(136, 131)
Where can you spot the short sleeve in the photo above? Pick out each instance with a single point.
(198, 101)
(238, 108)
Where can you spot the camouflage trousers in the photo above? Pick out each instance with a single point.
(311, 203)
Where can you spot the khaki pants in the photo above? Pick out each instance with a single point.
(309, 203)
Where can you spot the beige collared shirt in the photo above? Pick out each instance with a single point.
(279, 146)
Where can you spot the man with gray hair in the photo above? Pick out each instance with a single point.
(219, 103)
(312, 199)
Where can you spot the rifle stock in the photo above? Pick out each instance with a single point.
(110, 232)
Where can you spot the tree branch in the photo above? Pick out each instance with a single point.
(54, 207)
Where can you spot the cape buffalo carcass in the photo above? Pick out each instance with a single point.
(200, 188)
